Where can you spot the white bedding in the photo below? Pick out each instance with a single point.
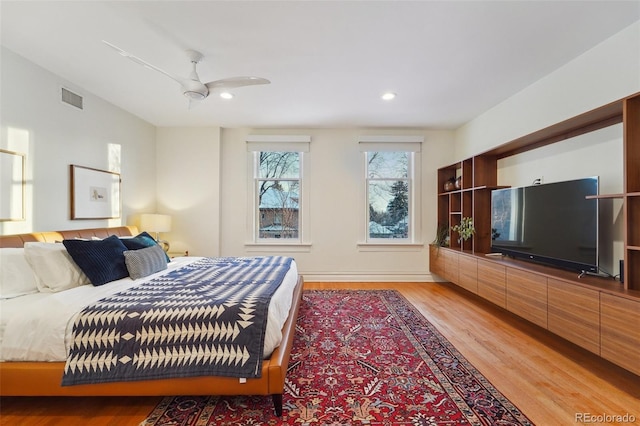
(38, 327)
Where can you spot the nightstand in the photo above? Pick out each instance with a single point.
(173, 254)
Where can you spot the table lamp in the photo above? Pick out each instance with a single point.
(153, 222)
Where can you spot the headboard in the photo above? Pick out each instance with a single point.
(18, 240)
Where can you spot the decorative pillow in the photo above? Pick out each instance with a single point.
(140, 241)
(146, 261)
(102, 261)
(16, 276)
(53, 267)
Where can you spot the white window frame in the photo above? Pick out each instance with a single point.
(413, 145)
(277, 143)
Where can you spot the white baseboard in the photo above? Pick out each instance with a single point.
(368, 277)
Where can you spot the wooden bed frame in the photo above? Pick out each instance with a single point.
(44, 378)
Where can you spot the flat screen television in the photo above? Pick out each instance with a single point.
(550, 223)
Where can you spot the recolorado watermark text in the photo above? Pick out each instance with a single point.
(605, 418)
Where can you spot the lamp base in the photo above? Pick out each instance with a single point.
(164, 244)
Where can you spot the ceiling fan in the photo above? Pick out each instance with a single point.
(192, 87)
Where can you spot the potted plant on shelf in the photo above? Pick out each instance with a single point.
(465, 229)
(442, 236)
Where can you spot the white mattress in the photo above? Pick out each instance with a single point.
(38, 327)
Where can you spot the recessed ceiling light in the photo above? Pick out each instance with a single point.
(226, 95)
(388, 96)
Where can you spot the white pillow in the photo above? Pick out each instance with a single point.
(54, 268)
(16, 276)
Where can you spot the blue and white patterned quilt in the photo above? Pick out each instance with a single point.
(206, 318)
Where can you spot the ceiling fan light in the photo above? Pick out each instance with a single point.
(226, 95)
(194, 95)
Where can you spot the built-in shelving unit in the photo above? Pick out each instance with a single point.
(631, 120)
(478, 176)
(598, 314)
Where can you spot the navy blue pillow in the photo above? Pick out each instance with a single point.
(140, 241)
(101, 260)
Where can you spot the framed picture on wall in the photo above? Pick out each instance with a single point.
(95, 194)
(12, 184)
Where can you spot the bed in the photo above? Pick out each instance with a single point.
(41, 378)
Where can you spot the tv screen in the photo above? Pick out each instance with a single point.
(551, 223)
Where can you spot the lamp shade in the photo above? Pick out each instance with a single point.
(155, 222)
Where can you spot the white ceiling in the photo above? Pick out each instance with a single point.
(328, 61)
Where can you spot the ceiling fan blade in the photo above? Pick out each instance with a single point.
(233, 82)
(143, 63)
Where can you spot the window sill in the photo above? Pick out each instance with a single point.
(390, 246)
(279, 247)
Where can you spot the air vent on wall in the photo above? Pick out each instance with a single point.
(73, 99)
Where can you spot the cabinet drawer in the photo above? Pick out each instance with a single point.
(451, 268)
(574, 313)
(492, 282)
(620, 331)
(436, 260)
(527, 296)
(468, 273)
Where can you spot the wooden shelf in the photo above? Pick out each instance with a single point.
(620, 195)
(590, 121)
(604, 196)
(475, 188)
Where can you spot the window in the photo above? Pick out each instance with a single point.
(277, 189)
(388, 192)
(277, 180)
(391, 190)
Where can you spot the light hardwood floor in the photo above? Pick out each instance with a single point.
(551, 380)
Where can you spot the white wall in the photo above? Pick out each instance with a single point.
(54, 135)
(336, 197)
(607, 72)
(188, 188)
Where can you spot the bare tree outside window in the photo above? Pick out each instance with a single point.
(388, 184)
(278, 184)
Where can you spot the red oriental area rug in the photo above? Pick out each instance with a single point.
(360, 357)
